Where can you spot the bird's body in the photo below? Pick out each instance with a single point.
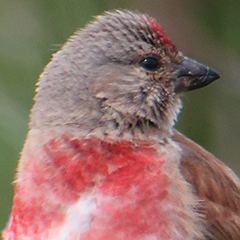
(100, 160)
(97, 189)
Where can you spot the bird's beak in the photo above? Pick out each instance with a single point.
(192, 75)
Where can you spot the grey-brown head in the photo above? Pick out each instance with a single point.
(120, 73)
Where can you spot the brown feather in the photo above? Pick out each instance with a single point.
(216, 186)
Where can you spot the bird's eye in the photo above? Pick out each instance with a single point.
(150, 63)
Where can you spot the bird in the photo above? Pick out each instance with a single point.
(102, 159)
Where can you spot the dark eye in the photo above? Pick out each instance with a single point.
(150, 63)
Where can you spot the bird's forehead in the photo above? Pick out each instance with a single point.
(161, 34)
(140, 26)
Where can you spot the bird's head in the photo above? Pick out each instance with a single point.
(119, 73)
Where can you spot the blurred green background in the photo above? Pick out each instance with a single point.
(207, 30)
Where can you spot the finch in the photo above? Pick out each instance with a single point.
(102, 160)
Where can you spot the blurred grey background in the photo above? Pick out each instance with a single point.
(207, 30)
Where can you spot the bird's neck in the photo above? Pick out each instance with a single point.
(97, 116)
